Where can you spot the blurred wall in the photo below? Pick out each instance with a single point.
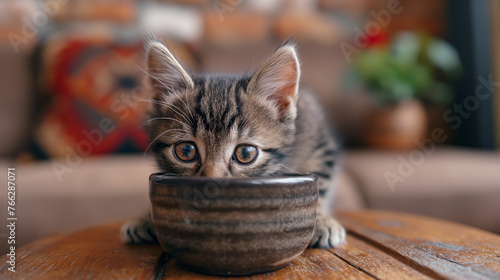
(214, 35)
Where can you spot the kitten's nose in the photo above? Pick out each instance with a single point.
(212, 170)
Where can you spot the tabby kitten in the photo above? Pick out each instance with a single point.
(238, 126)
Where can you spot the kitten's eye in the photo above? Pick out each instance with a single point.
(245, 154)
(186, 151)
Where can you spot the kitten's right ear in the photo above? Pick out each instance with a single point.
(166, 73)
(278, 80)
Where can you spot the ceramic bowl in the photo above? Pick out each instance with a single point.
(233, 226)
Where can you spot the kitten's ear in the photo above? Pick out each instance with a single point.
(166, 73)
(278, 80)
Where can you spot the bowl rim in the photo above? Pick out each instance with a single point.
(162, 179)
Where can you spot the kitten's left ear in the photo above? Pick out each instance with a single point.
(166, 73)
(278, 80)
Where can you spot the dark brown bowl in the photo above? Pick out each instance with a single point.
(233, 226)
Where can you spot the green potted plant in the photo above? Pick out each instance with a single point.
(400, 75)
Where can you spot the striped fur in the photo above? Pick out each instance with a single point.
(219, 112)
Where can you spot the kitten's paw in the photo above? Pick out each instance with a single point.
(138, 231)
(327, 233)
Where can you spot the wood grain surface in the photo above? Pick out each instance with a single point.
(380, 245)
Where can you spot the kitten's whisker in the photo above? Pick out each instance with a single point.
(146, 72)
(162, 118)
(175, 93)
(167, 87)
(291, 169)
(150, 101)
(179, 137)
(190, 113)
(185, 105)
(147, 148)
(186, 118)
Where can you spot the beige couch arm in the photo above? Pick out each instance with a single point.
(453, 184)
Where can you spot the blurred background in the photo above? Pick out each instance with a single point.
(409, 86)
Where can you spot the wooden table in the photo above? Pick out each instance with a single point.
(380, 245)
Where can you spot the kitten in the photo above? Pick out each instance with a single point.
(238, 126)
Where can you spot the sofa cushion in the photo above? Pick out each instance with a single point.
(452, 184)
(97, 190)
(347, 196)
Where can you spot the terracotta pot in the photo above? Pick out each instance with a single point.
(397, 127)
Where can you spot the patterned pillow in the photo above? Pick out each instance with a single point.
(97, 91)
